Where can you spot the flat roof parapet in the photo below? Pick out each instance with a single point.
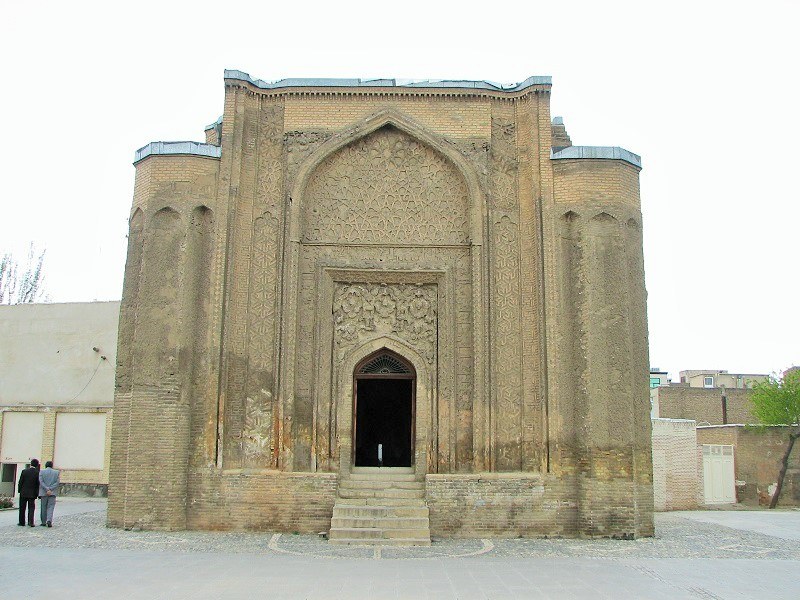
(190, 148)
(383, 83)
(598, 152)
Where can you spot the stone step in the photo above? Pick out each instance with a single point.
(382, 471)
(382, 542)
(388, 494)
(375, 533)
(383, 501)
(380, 523)
(377, 512)
(381, 477)
(380, 484)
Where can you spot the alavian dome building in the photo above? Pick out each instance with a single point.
(385, 310)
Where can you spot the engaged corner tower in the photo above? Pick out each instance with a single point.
(387, 310)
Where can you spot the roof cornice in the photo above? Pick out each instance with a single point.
(597, 153)
(313, 86)
(175, 148)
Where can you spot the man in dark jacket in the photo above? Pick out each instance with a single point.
(28, 489)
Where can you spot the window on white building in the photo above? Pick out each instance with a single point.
(708, 382)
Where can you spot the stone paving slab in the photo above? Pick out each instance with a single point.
(678, 536)
(691, 557)
(783, 524)
(69, 573)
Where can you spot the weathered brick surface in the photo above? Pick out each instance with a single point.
(675, 477)
(596, 183)
(430, 222)
(261, 501)
(501, 505)
(532, 505)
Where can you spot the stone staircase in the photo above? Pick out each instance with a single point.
(381, 506)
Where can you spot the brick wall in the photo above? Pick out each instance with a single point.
(458, 117)
(757, 453)
(704, 405)
(675, 476)
(560, 137)
(261, 501)
(595, 182)
(535, 505)
(501, 504)
(251, 500)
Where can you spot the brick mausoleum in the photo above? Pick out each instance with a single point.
(386, 310)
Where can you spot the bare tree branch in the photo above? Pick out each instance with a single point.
(22, 285)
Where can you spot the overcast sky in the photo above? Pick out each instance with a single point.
(706, 92)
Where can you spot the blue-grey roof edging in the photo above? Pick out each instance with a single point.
(214, 124)
(597, 152)
(441, 84)
(191, 148)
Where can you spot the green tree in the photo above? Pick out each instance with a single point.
(777, 402)
(22, 285)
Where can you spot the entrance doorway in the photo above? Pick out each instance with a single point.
(384, 411)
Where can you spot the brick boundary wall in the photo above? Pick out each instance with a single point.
(676, 484)
(757, 455)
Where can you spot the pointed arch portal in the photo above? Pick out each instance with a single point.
(383, 411)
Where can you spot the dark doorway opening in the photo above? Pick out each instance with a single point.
(384, 416)
(383, 412)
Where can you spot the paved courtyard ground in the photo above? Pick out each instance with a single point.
(699, 555)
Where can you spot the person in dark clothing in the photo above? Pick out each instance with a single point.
(28, 489)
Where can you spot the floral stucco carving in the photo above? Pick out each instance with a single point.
(362, 311)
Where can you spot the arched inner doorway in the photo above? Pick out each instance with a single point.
(383, 411)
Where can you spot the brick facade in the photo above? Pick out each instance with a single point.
(338, 220)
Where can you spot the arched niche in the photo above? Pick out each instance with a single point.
(383, 411)
(350, 371)
(389, 119)
(388, 189)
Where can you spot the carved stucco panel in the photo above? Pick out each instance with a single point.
(243, 196)
(507, 345)
(299, 145)
(504, 162)
(256, 440)
(386, 188)
(365, 311)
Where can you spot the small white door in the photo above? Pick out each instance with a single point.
(718, 477)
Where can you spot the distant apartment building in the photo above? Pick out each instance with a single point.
(658, 377)
(711, 378)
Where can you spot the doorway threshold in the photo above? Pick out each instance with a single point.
(376, 470)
